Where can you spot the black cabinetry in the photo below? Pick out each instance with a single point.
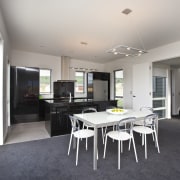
(24, 93)
(56, 114)
(98, 85)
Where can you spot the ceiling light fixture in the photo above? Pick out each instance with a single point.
(125, 49)
(83, 43)
(82, 69)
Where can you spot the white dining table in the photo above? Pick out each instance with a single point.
(105, 119)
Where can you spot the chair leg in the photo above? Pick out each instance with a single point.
(153, 136)
(134, 148)
(102, 131)
(70, 144)
(152, 133)
(87, 142)
(145, 146)
(119, 154)
(105, 131)
(113, 130)
(157, 144)
(105, 143)
(77, 151)
(129, 144)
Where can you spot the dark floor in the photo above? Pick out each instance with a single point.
(47, 159)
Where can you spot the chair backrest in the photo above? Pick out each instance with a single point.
(89, 109)
(74, 123)
(150, 119)
(128, 122)
(145, 108)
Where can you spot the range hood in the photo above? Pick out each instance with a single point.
(65, 63)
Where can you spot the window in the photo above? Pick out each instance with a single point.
(45, 81)
(79, 85)
(159, 96)
(118, 87)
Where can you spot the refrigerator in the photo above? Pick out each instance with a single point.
(100, 89)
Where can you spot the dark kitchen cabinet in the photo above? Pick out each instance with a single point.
(57, 113)
(24, 93)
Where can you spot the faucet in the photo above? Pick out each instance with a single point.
(70, 97)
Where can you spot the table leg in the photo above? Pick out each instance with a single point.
(95, 148)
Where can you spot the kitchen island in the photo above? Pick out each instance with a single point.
(56, 111)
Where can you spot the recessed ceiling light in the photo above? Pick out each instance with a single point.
(42, 46)
(126, 11)
(83, 43)
(115, 53)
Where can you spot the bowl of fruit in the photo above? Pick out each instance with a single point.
(116, 111)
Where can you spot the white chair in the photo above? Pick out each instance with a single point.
(149, 127)
(121, 135)
(79, 134)
(91, 109)
(145, 109)
(141, 122)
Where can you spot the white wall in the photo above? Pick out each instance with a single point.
(86, 67)
(159, 54)
(3, 86)
(127, 69)
(29, 59)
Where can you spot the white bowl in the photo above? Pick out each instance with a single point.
(118, 112)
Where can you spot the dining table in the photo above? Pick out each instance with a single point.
(105, 119)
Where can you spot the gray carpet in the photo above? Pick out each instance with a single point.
(47, 159)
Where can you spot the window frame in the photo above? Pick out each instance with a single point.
(50, 70)
(83, 82)
(115, 83)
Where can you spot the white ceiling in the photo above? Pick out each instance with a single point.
(57, 27)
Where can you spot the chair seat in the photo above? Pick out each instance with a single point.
(84, 133)
(143, 129)
(119, 136)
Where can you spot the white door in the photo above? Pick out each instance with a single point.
(142, 85)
